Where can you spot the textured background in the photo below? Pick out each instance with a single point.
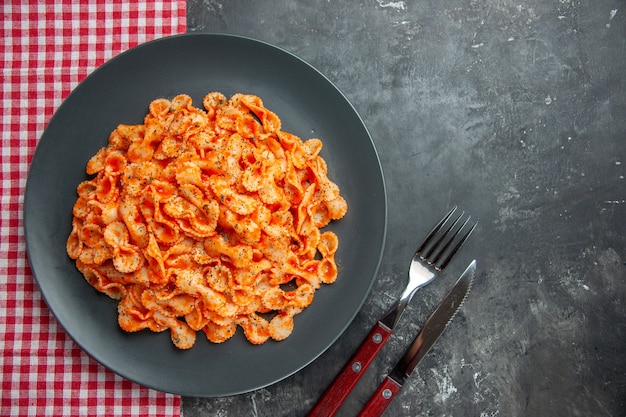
(516, 112)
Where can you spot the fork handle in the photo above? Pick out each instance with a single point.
(344, 382)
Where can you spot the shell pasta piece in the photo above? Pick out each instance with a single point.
(207, 220)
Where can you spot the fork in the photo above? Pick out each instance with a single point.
(431, 258)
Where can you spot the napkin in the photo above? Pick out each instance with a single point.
(48, 47)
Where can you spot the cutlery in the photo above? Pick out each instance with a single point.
(430, 259)
(425, 339)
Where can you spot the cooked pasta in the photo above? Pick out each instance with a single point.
(207, 219)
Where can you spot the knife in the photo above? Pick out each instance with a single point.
(425, 339)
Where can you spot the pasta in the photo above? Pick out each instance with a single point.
(207, 220)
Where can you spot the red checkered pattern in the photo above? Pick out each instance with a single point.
(47, 48)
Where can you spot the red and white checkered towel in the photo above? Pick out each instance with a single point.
(47, 48)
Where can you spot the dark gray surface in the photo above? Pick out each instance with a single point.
(516, 112)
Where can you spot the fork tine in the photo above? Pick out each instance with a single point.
(428, 254)
(435, 230)
(434, 260)
(456, 248)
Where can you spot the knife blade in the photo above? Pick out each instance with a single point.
(430, 332)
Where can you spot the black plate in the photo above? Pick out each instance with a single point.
(308, 104)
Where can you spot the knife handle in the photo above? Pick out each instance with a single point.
(338, 391)
(381, 399)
